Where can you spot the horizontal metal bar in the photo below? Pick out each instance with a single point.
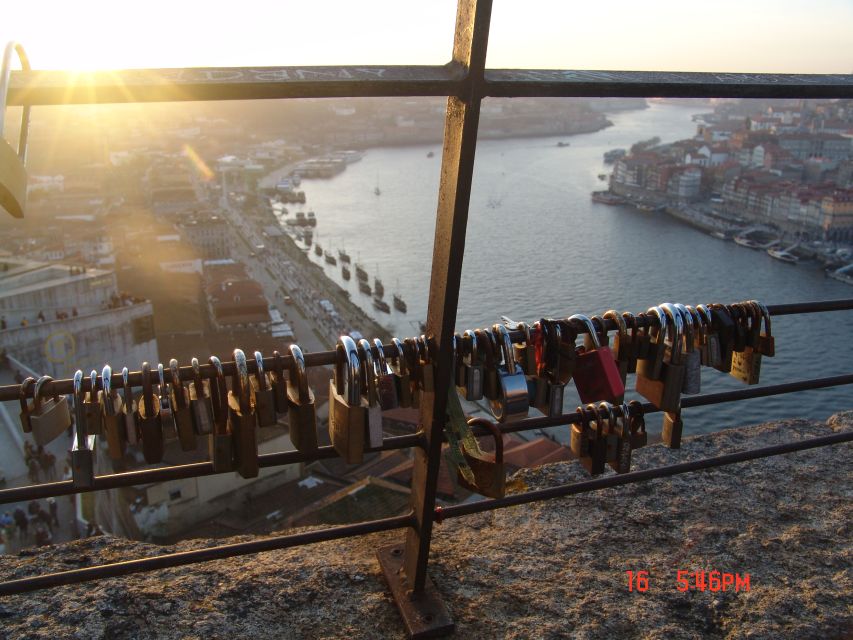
(230, 83)
(193, 470)
(326, 358)
(640, 476)
(87, 574)
(508, 83)
(258, 83)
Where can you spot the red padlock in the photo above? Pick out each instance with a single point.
(596, 374)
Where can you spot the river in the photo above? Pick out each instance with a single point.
(537, 246)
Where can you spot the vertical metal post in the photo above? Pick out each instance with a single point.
(406, 569)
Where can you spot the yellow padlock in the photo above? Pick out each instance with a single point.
(13, 172)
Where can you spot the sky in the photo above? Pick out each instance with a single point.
(782, 36)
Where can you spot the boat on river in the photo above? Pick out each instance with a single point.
(783, 255)
(343, 256)
(378, 288)
(844, 274)
(360, 272)
(318, 250)
(345, 272)
(364, 287)
(747, 242)
(330, 259)
(399, 303)
(605, 197)
(380, 304)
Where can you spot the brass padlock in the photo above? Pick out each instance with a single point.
(766, 344)
(596, 459)
(665, 392)
(412, 361)
(579, 439)
(489, 474)
(549, 388)
(148, 420)
(639, 437)
(622, 346)
(82, 452)
(49, 418)
(221, 439)
(181, 411)
(201, 405)
(264, 394)
(115, 430)
(347, 415)
(13, 172)
(621, 462)
(241, 415)
(486, 343)
(167, 416)
(302, 414)
(651, 364)
(672, 427)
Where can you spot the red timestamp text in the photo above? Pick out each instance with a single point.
(700, 580)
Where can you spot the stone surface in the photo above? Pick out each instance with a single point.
(547, 570)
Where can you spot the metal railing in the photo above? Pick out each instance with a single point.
(466, 82)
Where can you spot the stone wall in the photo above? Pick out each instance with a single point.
(547, 570)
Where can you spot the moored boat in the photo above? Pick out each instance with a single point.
(343, 256)
(746, 242)
(345, 272)
(378, 288)
(783, 256)
(360, 272)
(364, 287)
(605, 197)
(318, 250)
(330, 259)
(399, 303)
(844, 274)
(381, 305)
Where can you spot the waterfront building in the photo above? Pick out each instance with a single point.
(209, 234)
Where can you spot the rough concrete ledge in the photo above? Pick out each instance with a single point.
(552, 569)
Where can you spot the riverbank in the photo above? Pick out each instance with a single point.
(549, 569)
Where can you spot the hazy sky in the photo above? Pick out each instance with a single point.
(794, 36)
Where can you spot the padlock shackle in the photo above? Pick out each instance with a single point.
(5, 77)
(219, 396)
(25, 386)
(241, 384)
(590, 327)
(197, 382)
(367, 370)
(611, 415)
(259, 374)
(675, 322)
(177, 386)
(593, 409)
(496, 434)
(621, 325)
(128, 390)
(766, 314)
(79, 412)
(347, 367)
(505, 347)
(687, 323)
(107, 384)
(37, 391)
(472, 352)
(380, 364)
(298, 373)
(400, 360)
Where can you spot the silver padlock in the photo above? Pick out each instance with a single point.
(200, 402)
(82, 452)
(692, 356)
(92, 406)
(302, 410)
(347, 416)
(264, 394)
(49, 418)
(472, 366)
(386, 388)
(114, 420)
(13, 172)
(513, 399)
(131, 427)
(167, 418)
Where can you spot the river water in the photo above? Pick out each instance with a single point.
(538, 246)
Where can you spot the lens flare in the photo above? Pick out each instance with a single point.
(198, 163)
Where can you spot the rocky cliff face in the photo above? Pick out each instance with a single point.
(548, 570)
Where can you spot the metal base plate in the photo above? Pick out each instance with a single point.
(424, 613)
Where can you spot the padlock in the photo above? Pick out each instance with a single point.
(426, 364)
(115, 425)
(82, 452)
(386, 388)
(665, 393)
(488, 470)
(486, 344)
(400, 371)
(513, 399)
(302, 414)
(26, 409)
(711, 355)
(670, 434)
(131, 426)
(596, 458)
(181, 411)
(724, 328)
(691, 357)
(49, 418)
(167, 416)
(639, 437)
(651, 362)
(201, 406)
(370, 396)
(741, 332)
(622, 346)
(766, 344)
(264, 394)
(579, 439)
(549, 389)
(13, 172)
(148, 419)
(524, 353)
(626, 347)
(221, 444)
(279, 383)
(746, 365)
(92, 407)
(621, 462)
(347, 416)
(411, 352)
(611, 431)
(568, 351)
(241, 416)
(644, 337)
(472, 367)
(596, 375)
